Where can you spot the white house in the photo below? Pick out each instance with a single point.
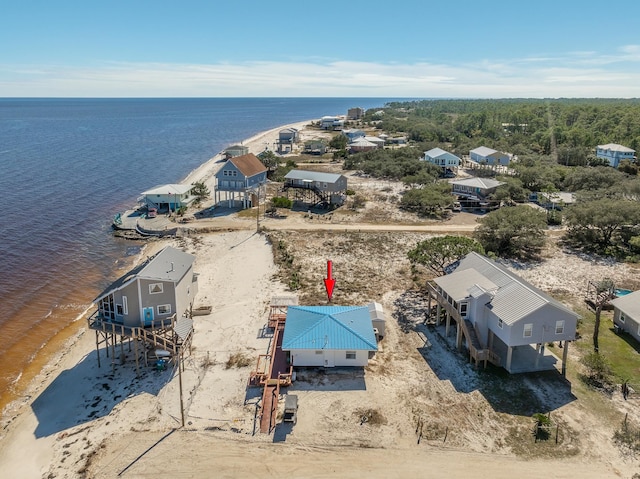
(331, 123)
(502, 318)
(614, 153)
(330, 336)
(441, 158)
(489, 156)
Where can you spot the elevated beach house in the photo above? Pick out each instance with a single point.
(161, 287)
(488, 156)
(442, 158)
(476, 189)
(287, 137)
(167, 197)
(235, 150)
(501, 318)
(626, 313)
(316, 187)
(239, 180)
(330, 336)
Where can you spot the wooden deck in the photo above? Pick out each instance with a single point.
(273, 370)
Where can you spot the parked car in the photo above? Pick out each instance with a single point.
(152, 213)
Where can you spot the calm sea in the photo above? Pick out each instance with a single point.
(68, 165)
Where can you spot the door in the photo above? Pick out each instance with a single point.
(329, 358)
(147, 316)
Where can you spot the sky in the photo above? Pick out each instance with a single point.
(303, 48)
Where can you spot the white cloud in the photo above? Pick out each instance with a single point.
(585, 74)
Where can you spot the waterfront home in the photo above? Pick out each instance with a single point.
(161, 287)
(329, 336)
(287, 137)
(317, 187)
(235, 150)
(502, 318)
(614, 153)
(489, 156)
(317, 146)
(442, 158)
(167, 197)
(626, 313)
(239, 179)
(331, 123)
(475, 189)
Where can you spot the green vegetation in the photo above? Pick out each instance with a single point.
(200, 191)
(429, 201)
(270, 160)
(439, 252)
(281, 202)
(513, 232)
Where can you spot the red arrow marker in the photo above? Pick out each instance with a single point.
(329, 282)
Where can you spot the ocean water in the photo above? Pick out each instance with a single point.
(68, 165)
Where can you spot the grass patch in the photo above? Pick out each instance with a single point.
(621, 350)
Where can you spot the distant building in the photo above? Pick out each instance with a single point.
(287, 137)
(355, 113)
(475, 188)
(331, 123)
(330, 336)
(167, 197)
(317, 187)
(235, 150)
(489, 156)
(315, 147)
(353, 133)
(614, 153)
(360, 144)
(441, 158)
(239, 179)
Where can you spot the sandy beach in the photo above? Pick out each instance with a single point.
(77, 419)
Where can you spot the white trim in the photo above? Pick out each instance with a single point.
(164, 306)
(125, 305)
(560, 327)
(527, 331)
(153, 285)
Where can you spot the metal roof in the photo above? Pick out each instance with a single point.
(629, 304)
(514, 298)
(329, 327)
(616, 147)
(483, 151)
(169, 190)
(170, 264)
(436, 152)
(459, 284)
(312, 176)
(483, 183)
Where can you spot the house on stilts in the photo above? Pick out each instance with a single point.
(149, 307)
(501, 318)
(240, 179)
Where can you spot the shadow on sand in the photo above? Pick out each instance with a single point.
(521, 394)
(86, 392)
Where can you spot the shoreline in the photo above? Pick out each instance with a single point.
(23, 387)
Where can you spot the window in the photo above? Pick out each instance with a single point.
(164, 309)
(560, 327)
(125, 305)
(463, 310)
(622, 318)
(500, 323)
(119, 310)
(528, 330)
(351, 355)
(155, 288)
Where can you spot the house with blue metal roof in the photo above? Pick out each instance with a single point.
(502, 318)
(329, 336)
